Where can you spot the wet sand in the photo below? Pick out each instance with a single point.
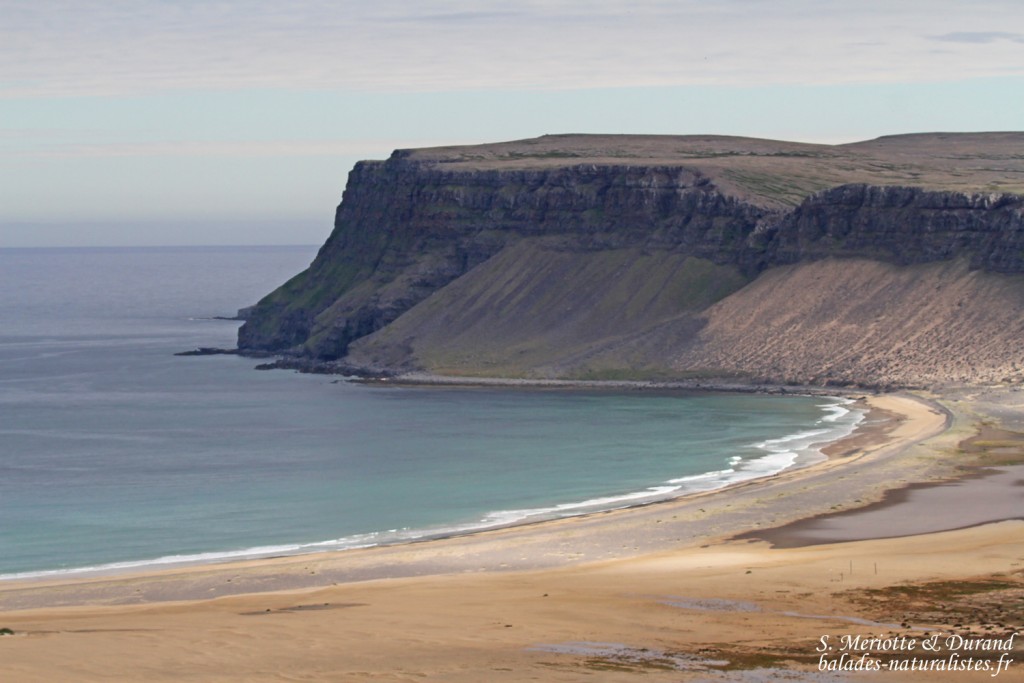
(915, 509)
(659, 591)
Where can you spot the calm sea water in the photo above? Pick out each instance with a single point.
(114, 453)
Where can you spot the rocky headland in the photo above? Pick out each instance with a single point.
(892, 262)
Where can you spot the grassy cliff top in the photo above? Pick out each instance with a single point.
(771, 172)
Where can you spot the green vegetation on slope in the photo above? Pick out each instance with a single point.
(535, 309)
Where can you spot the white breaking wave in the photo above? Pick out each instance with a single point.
(799, 449)
(349, 543)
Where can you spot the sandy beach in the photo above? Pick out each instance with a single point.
(755, 582)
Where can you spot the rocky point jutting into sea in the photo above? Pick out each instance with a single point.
(893, 262)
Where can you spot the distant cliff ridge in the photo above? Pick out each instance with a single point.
(594, 256)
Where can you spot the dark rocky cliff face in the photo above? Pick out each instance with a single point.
(904, 226)
(404, 230)
(407, 229)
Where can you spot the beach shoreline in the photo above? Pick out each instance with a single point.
(863, 433)
(726, 479)
(905, 440)
(871, 437)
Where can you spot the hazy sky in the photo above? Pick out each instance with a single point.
(231, 122)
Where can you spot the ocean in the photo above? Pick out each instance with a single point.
(115, 454)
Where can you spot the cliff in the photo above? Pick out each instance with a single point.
(592, 256)
(405, 230)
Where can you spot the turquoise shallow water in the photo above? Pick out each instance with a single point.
(115, 453)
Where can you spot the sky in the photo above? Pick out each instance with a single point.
(166, 122)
